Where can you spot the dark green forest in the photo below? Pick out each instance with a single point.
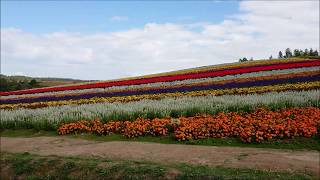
(12, 83)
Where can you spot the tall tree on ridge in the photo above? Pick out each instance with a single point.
(306, 52)
(288, 53)
(311, 52)
(280, 56)
(296, 53)
(301, 52)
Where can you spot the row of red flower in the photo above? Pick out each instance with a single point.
(218, 84)
(195, 75)
(257, 126)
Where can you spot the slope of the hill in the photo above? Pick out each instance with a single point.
(235, 87)
(186, 73)
(12, 83)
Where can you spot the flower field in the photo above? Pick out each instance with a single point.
(257, 126)
(254, 101)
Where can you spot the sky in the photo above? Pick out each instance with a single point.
(101, 40)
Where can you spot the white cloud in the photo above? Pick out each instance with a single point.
(258, 30)
(119, 18)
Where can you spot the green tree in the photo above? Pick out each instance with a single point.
(243, 59)
(301, 52)
(4, 84)
(306, 52)
(288, 53)
(33, 83)
(296, 53)
(280, 56)
(311, 52)
(23, 85)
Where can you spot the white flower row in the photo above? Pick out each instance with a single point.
(53, 116)
(167, 84)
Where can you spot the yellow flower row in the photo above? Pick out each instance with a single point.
(248, 90)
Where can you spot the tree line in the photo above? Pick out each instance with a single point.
(9, 84)
(288, 53)
(297, 53)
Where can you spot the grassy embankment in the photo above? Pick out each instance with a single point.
(28, 166)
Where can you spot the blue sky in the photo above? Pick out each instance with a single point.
(106, 40)
(97, 16)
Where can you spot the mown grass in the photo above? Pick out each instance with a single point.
(29, 166)
(295, 144)
(26, 133)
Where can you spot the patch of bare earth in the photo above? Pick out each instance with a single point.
(5, 171)
(236, 157)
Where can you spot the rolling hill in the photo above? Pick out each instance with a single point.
(194, 96)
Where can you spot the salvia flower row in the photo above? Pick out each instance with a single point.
(51, 117)
(234, 83)
(191, 75)
(233, 91)
(168, 84)
(220, 67)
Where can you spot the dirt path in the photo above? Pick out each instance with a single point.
(265, 159)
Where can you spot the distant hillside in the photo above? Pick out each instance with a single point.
(11, 83)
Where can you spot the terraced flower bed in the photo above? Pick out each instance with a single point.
(248, 100)
(257, 126)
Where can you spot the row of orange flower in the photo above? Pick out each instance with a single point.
(139, 127)
(252, 127)
(257, 126)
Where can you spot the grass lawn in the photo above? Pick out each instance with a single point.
(29, 166)
(296, 143)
